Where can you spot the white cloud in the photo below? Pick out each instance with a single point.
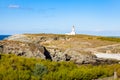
(13, 6)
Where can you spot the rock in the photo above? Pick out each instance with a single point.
(106, 61)
(28, 45)
(23, 49)
(56, 54)
(79, 56)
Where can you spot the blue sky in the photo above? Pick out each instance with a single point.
(96, 17)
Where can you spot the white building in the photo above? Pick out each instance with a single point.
(72, 32)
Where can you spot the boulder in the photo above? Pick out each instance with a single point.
(56, 54)
(23, 49)
(78, 56)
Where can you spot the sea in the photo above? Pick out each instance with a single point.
(3, 36)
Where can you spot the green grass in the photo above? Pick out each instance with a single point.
(113, 39)
(14, 67)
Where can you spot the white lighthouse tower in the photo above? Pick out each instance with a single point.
(72, 32)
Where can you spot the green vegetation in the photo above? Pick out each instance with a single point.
(113, 39)
(19, 68)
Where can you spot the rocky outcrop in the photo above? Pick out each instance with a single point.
(80, 56)
(76, 55)
(29, 45)
(35, 50)
(23, 49)
(56, 54)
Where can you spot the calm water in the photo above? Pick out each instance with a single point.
(3, 36)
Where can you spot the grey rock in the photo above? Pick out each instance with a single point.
(56, 54)
(79, 56)
(23, 49)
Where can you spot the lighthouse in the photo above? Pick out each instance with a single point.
(72, 32)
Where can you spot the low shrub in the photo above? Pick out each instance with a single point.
(15, 67)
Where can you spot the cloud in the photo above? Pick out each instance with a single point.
(14, 6)
(45, 12)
